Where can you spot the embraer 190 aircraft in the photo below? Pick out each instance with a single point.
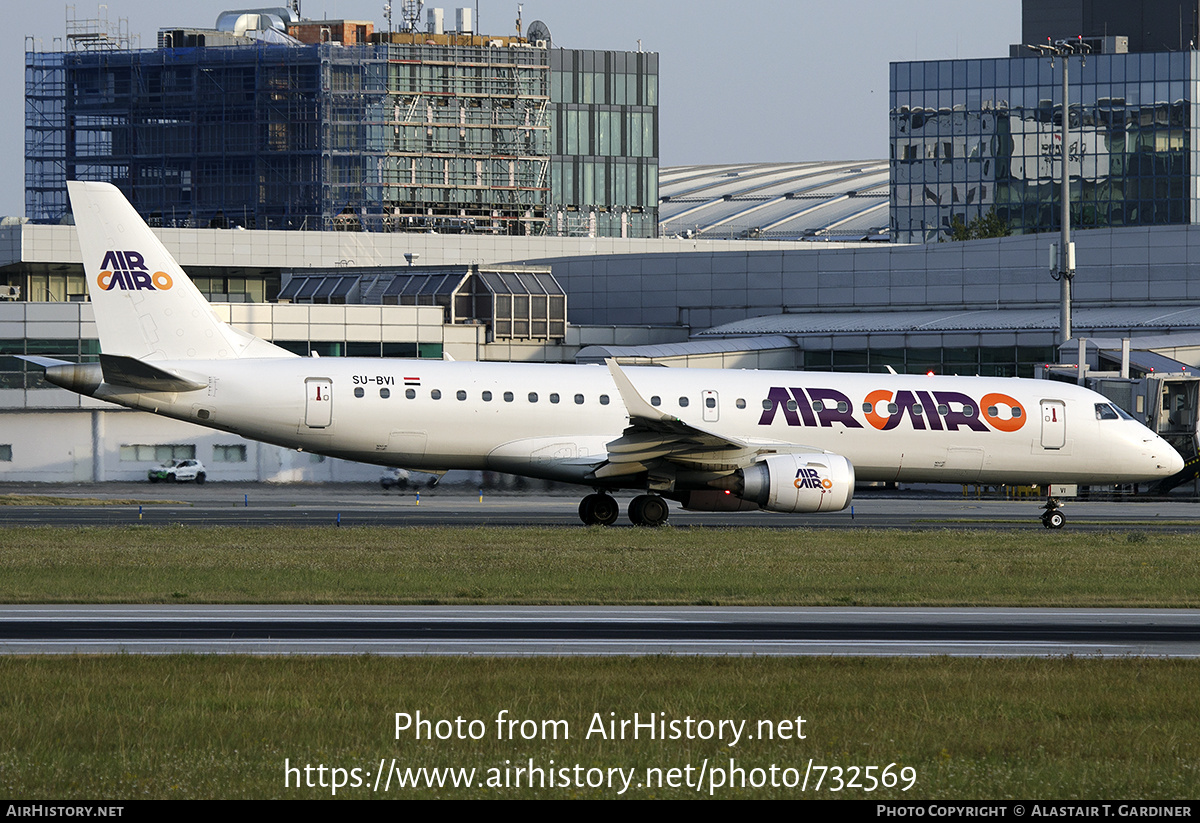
(713, 440)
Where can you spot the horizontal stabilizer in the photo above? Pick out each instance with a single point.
(44, 362)
(138, 374)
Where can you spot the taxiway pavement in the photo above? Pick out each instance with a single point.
(598, 630)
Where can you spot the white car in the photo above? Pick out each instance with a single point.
(178, 470)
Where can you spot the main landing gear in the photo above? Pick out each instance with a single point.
(648, 510)
(599, 510)
(1052, 517)
(644, 510)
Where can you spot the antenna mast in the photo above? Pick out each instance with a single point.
(411, 14)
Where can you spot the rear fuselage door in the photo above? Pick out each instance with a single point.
(712, 410)
(1054, 424)
(318, 402)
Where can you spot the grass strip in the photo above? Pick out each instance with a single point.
(179, 564)
(52, 500)
(204, 727)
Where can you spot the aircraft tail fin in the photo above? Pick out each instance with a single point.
(146, 306)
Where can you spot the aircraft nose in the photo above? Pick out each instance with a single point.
(1172, 461)
(1176, 461)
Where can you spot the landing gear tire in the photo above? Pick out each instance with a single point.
(1053, 518)
(648, 510)
(599, 510)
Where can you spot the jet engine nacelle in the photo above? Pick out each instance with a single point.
(800, 483)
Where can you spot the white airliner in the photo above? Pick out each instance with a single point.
(714, 440)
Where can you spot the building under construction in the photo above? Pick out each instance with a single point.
(274, 122)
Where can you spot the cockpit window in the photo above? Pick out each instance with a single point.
(1105, 412)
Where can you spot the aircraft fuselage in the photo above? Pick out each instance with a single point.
(554, 421)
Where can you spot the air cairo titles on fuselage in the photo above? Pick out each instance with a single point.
(925, 410)
(127, 270)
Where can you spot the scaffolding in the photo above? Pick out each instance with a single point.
(463, 136)
(98, 33)
(382, 137)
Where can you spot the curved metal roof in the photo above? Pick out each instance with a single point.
(598, 354)
(776, 201)
(1094, 319)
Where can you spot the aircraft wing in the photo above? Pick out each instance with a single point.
(662, 444)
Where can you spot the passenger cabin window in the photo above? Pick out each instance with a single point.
(508, 397)
(487, 397)
(683, 401)
(436, 394)
(741, 403)
(554, 398)
(579, 400)
(359, 392)
(604, 400)
(411, 394)
(461, 395)
(818, 406)
(533, 397)
(385, 393)
(656, 400)
(710, 402)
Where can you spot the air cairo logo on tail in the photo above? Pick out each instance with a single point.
(127, 270)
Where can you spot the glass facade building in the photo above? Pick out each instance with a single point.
(604, 143)
(390, 136)
(970, 136)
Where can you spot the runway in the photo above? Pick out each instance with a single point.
(598, 630)
(265, 504)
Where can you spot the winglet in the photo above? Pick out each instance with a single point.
(635, 404)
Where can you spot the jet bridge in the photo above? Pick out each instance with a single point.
(1162, 392)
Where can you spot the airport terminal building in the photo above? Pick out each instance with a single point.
(418, 230)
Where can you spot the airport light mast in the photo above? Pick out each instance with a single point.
(1065, 272)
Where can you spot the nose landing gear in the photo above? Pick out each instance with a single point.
(1052, 516)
